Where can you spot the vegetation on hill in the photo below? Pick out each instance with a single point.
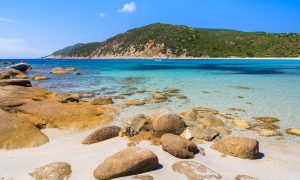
(164, 40)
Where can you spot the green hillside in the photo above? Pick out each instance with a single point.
(182, 41)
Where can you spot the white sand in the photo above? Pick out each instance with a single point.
(280, 161)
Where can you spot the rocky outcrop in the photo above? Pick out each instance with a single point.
(53, 171)
(17, 133)
(194, 170)
(102, 134)
(15, 82)
(167, 122)
(104, 100)
(241, 147)
(131, 161)
(23, 67)
(178, 146)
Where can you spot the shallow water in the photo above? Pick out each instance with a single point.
(261, 87)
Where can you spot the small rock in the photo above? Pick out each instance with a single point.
(119, 97)
(53, 171)
(268, 132)
(70, 69)
(178, 146)
(128, 93)
(133, 102)
(206, 134)
(180, 96)
(102, 134)
(187, 134)
(16, 82)
(241, 147)
(104, 100)
(160, 96)
(143, 177)
(245, 177)
(77, 73)
(131, 161)
(39, 77)
(140, 91)
(194, 170)
(241, 123)
(167, 122)
(293, 131)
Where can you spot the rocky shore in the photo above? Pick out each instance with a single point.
(46, 135)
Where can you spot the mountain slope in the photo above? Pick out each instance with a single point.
(164, 40)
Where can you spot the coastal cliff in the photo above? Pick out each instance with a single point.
(174, 41)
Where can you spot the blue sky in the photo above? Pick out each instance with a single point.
(34, 28)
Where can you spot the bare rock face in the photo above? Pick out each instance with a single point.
(16, 133)
(241, 147)
(53, 171)
(195, 171)
(102, 134)
(178, 146)
(104, 100)
(131, 161)
(167, 122)
(15, 82)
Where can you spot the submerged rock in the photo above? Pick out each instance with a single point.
(195, 171)
(245, 177)
(167, 122)
(17, 133)
(133, 102)
(268, 132)
(266, 119)
(39, 77)
(102, 134)
(104, 100)
(131, 161)
(241, 147)
(293, 131)
(178, 146)
(53, 171)
(15, 82)
(242, 123)
(59, 70)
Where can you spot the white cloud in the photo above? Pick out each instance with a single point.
(102, 14)
(128, 8)
(18, 48)
(2, 19)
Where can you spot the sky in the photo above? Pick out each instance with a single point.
(36, 28)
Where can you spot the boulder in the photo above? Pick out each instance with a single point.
(293, 131)
(167, 122)
(133, 102)
(104, 100)
(39, 77)
(23, 67)
(178, 146)
(210, 120)
(15, 82)
(131, 161)
(59, 70)
(17, 133)
(195, 171)
(241, 147)
(102, 134)
(241, 123)
(53, 171)
(137, 124)
(205, 134)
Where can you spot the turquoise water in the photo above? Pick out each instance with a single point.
(273, 86)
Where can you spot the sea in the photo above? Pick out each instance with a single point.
(260, 87)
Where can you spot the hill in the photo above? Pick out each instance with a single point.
(165, 40)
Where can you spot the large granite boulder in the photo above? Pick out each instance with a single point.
(102, 134)
(17, 133)
(53, 171)
(104, 100)
(15, 82)
(131, 161)
(167, 122)
(194, 170)
(178, 146)
(241, 147)
(23, 67)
